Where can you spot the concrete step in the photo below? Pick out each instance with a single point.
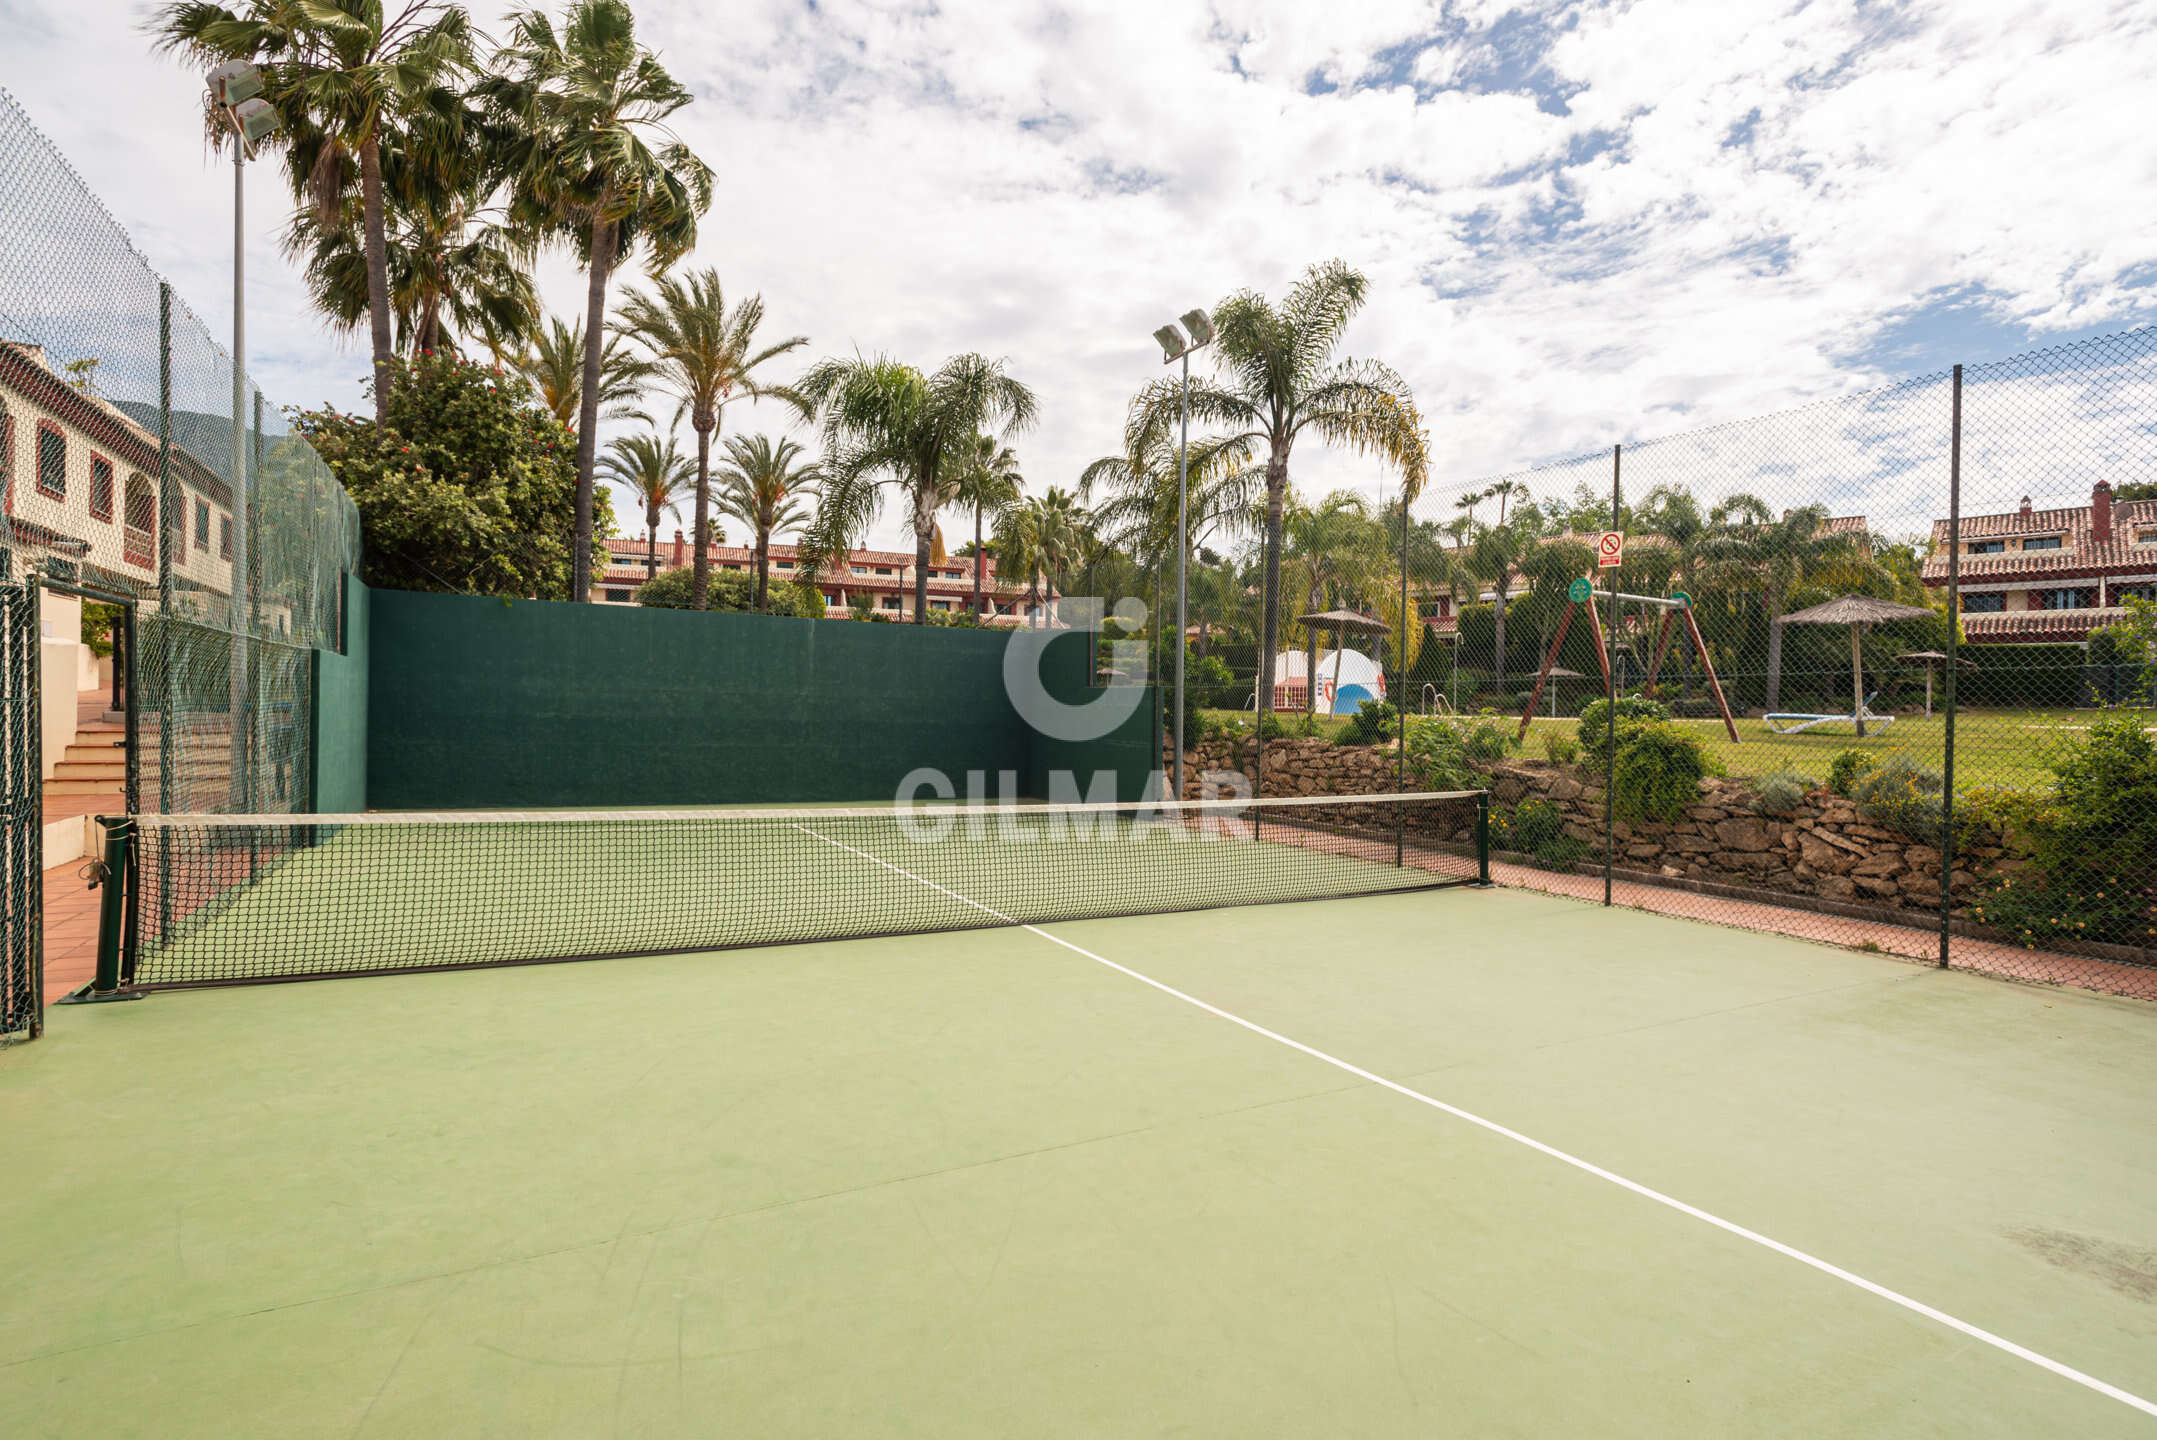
(58, 786)
(113, 770)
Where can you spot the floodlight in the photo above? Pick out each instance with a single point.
(1172, 346)
(233, 82)
(1200, 327)
(254, 119)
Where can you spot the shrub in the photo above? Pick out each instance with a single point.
(1532, 824)
(2089, 875)
(1779, 793)
(1442, 747)
(1536, 827)
(1844, 771)
(1374, 722)
(470, 487)
(1900, 796)
(1561, 749)
(730, 590)
(1658, 774)
(1634, 712)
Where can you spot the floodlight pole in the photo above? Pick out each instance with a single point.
(242, 687)
(1183, 579)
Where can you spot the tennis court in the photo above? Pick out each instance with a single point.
(1435, 1161)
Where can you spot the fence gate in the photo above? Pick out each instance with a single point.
(22, 833)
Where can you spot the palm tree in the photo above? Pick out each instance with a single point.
(553, 364)
(707, 354)
(451, 274)
(1042, 537)
(656, 473)
(1220, 487)
(1018, 549)
(988, 482)
(340, 73)
(762, 486)
(593, 162)
(1277, 379)
(886, 423)
(1746, 546)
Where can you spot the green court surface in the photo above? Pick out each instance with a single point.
(989, 1184)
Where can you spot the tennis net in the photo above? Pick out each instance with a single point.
(224, 898)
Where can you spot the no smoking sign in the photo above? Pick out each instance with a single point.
(1610, 549)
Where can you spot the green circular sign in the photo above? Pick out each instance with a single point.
(1682, 598)
(1579, 592)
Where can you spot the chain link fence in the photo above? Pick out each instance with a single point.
(135, 475)
(1877, 671)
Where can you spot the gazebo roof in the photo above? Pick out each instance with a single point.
(1343, 620)
(1856, 610)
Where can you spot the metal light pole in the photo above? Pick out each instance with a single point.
(1174, 348)
(235, 91)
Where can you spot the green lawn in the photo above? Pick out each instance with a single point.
(1992, 747)
(2006, 748)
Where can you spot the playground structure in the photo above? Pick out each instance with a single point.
(1677, 606)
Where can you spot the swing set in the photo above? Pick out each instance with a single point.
(1677, 606)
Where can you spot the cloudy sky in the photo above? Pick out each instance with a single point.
(1582, 222)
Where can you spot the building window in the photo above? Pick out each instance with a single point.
(51, 460)
(138, 527)
(786, 564)
(888, 602)
(202, 524)
(224, 536)
(2043, 542)
(1990, 603)
(883, 569)
(100, 488)
(2146, 536)
(2134, 592)
(2066, 599)
(7, 458)
(863, 569)
(939, 604)
(1988, 547)
(618, 597)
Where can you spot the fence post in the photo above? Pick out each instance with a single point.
(1610, 688)
(168, 690)
(1954, 638)
(1400, 694)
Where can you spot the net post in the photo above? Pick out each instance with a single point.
(1954, 632)
(1400, 697)
(112, 912)
(1482, 837)
(1610, 690)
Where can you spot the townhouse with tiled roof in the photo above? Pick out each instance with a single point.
(2057, 574)
(884, 577)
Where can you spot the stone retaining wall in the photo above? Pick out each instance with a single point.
(1824, 848)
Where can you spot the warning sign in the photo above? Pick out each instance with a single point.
(1610, 549)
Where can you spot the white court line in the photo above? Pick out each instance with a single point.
(1896, 1297)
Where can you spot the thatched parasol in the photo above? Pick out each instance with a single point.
(1559, 672)
(1930, 659)
(1338, 621)
(1857, 612)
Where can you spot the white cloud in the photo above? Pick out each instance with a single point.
(1678, 213)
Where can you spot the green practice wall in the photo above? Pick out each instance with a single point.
(340, 711)
(478, 703)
